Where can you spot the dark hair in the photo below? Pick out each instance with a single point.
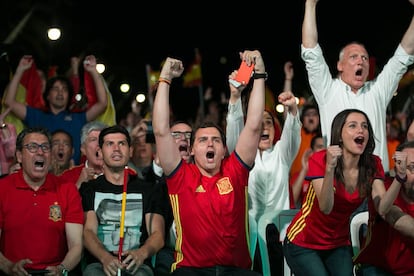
(366, 163)
(114, 129)
(49, 84)
(406, 144)
(314, 138)
(307, 107)
(207, 125)
(64, 132)
(29, 130)
(181, 122)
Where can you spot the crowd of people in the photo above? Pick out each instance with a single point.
(80, 196)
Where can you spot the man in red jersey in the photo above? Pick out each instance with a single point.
(208, 196)
(41, 218)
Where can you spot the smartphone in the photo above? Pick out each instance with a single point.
(243, 74)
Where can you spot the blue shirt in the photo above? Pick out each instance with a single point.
(72, 122)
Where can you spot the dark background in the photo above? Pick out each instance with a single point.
(128, 35)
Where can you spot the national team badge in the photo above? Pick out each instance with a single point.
(55, 213)
(224, 186)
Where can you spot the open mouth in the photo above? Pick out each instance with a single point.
(39, 164)
(358, 72)
(210, 155)
(359, 140)
(182, 148)
(264, 137)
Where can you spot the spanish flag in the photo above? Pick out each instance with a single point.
(192, 76)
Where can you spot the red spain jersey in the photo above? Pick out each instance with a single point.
(211, 215)
(313, 229)
(33, 222)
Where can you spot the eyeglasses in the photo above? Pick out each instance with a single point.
(34, 147)
(179, 134)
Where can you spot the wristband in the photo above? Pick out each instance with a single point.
(401, 180)
(167, 81)
(260, 75)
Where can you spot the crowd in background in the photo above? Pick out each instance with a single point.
(184, 189)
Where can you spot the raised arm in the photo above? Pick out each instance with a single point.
(324, 187)
(289, 73)
(99, 107)
(407, 41)
(247, 144)
(384, 198)
(19, 109)
(167, 150)
(235, 116)
(309, 27)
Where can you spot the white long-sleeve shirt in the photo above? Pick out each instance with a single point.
(333, 95)
(268, 186)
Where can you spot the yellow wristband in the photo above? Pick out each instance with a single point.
(167, 81)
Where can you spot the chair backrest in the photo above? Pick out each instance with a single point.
(253, 236)
(354, 228)
(281, 219)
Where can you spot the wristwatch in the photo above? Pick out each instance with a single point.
(260, 75)
(64, 270)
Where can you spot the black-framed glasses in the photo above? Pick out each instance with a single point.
(179, 134)
(34, 147)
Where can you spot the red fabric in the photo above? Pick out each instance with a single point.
(211, 215)
(313, 229)
(90, 90)
(33, 222)
(385, 247)
(32, 82)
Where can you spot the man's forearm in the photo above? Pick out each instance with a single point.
(400, 221)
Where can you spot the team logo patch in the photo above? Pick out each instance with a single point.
(224, 186)
(55, 213)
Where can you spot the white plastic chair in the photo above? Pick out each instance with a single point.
(281, 219)
(354, 228)
(355, 225)
(252, 236)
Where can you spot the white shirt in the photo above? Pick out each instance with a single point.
(333, 95)
(268, 186)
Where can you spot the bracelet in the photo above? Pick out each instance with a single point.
(167, 81)
(401, 180)
(260, 75)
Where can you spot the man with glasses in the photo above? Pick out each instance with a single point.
(390, 247)
(144, 160)
(41, 218)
